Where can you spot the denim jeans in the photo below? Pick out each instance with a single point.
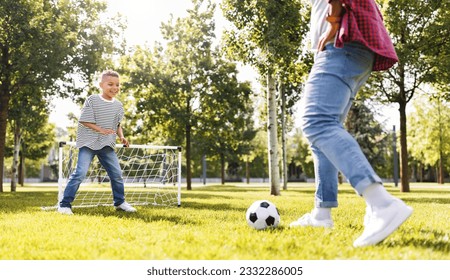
(108, 159)
(335, 78)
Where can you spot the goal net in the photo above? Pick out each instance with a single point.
(151, 174)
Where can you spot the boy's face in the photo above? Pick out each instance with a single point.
(110, 87)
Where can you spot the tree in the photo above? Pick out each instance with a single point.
(301, 153)
(258, 155)
(369, 134)
(170, 95)
(36, 144)
(268, 35)
(29, 116)
(421, 35)
(225, 124)
(53, 46)
(430, 131)
(186, 93)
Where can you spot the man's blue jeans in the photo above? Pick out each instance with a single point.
(335, 78)
(108, 159)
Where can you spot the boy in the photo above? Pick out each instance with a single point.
(98, 127)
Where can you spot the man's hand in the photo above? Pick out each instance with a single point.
(332, 29)
(334, 23)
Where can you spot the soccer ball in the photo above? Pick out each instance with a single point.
(262, 214)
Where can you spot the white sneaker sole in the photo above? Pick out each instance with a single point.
(308, 221)
(126, 210)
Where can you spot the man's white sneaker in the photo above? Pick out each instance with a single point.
(380, 223)
(308, 220)
(65, 210)
(126, 207)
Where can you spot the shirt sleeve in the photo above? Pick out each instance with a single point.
(87, 112)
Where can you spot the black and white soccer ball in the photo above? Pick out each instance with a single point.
(262, 214)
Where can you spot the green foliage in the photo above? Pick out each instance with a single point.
(271, 35)
(166, 82)
(50, 41)
(225, 124)
(430, 130)
(49, 48)
(421, 42)
(268, 33)
(211, 225)
(186, 93)
(258, 155)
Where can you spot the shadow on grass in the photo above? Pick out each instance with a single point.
(439, 242)
(26, 201)
(226, 188)
(144, 215)
(426, 191)
(150, 213)
(427, 200)
(215, 206)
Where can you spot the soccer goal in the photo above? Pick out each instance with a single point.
(151, 174)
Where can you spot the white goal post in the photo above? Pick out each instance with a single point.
(151, 174)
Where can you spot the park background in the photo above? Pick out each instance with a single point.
(221, 98)
(201, 75)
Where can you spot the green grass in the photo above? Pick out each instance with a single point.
(211, 225)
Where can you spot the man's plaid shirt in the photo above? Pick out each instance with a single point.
(363, 22)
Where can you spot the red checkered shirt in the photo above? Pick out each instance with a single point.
(363, 23)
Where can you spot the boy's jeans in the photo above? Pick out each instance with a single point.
(335, 78)
(109, 161)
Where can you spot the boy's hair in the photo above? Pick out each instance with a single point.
(110, 73)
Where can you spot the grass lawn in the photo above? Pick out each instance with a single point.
(211, 225)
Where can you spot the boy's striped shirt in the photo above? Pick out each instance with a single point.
(104, 113)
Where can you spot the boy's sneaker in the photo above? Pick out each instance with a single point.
(308, 220)
(65, 210)
(126, 207)
(380, 223)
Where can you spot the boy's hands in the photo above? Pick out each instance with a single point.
(106, 131)
(124, 141)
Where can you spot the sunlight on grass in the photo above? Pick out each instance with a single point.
(211, 224)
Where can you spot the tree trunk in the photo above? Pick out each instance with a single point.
(283, 135)
(4, 100)
(21, 169)
(274, 169)
(404, 151)
(15, 162)
(204, 169)
(395, 156)
(441, 144)
(247, 171)
(5, 94)
(188, 158)
(222, 168)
